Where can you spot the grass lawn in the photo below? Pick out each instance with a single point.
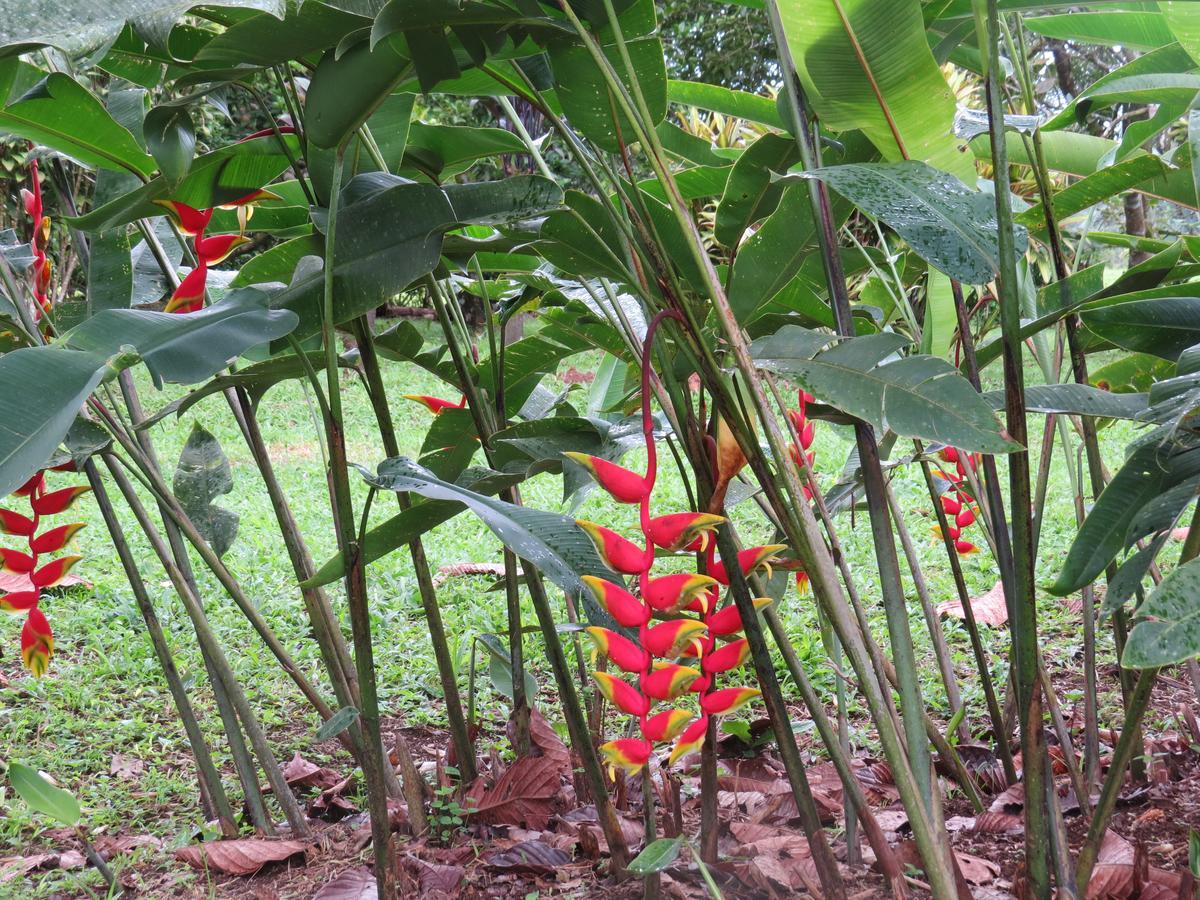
(104, 695)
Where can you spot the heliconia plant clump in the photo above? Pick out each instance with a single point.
(681, 654)
(37, 638)
(956, 501)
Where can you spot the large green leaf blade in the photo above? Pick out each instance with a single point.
(1164, 327)
(915, 396)
(42, 796)
(1167, 629)
(63, 115)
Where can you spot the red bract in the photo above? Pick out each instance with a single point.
(42, 267)
(435, 404)
(653, 656)
(37, 639)
(956, 501)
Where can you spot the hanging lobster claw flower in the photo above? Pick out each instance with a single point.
(216, 249)
(668, 681)
(677, 531)
(57, 501)
(670, 639)
(15, 523)
(665, 726)
(671, 593)
(948, 454)
(16, 562)
(435, 405)
(189, 296)
(730, 458)
(55, 539)
(37, 643)
(704, 601)
(690, 741)
(726, 700)
(628, 754)
(748, 561)
(618, 554)
(965, 517)
(617, 602)
(187, 219)
(624, 486)
(699, 646)
(621, 694)
(726, 658)
(53, 573)
(35, 482)
(729, 620)
(965, 548)
(950, 530)
(950, 506)
(19, 601)
(623, 652)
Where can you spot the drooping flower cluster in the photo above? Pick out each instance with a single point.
(659, 658)
(37, 639)
(42, 267)
(801, 454)
(210, 251)
(957, 502)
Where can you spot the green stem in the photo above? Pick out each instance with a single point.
(356, 585)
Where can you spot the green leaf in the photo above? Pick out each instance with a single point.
(278, 263)
(941, 320)
(110, 262)
(171, 138)
(752, 191)
(219, 177)
(184, 349)
(434, 148)
(337, 723)
(1076, 400)
(264, 40)
(1164, 327)
(202, 475)
(1129, 577)
(554, 544)
(1183, 19)
(713, 97)
(915, 396)
(345, 90)
(657, 856)
(43, 797)
(867, 65)
(500, 669)
(1133, 30)
(60, 113)
(1095, 188)
(44, 388)
(946, 223)
(581, 240)
(1131, 373)
(1167, 628)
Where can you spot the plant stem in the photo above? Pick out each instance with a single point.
(348, 542)
(212, 791)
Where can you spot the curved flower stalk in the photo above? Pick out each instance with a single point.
(957, 503)
(42, 268)
(37, 638)
(210, 251)
(682, 654)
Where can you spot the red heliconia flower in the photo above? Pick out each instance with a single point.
(665, 726)
(217, 248)
(728, 620)
(435, 405)
(690, 740)
(668, 681)
(42, 266)
(965, 548)
(187, 219)
(629, 754)
(672, 593)
(618, 602)
(37, 643)
(619, 554)
(956, 502)
(37, 640)
(627, 655)
(669, 640)
(621, 694)
(726, 658)
(748, 561)
(950, 505)
(189, 296)
(624, 486)
(687, 530)
(726, 700)
(965, 517)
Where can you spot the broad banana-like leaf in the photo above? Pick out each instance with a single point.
(867, 65)
(1136, 30)
(1167, 626)
(865, 377)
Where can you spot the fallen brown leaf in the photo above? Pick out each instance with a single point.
(529, 856)
(14, 866)
(523, 795)
(299, 772)
(109, 846)
(353, 884)
(989, 607)
(126, 766)
(977, 871)
(434, 879)
(239, 857)
(546, 739)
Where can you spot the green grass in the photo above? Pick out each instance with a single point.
(105, 695)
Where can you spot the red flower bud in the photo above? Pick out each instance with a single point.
(665, 726)
(55, 539)
(435, 404)
(671, 593)
(728, 657)
(189, 296)
(187, 219)
(15, 523)
(19, 601)
(621, 694)
(629, 754)
(748, 561)
(617, 602)
(618, 554)
(37, 643)
(624, 653)
(16, 562)
(950, 506)
(624, 486)
(965, 517)
(668, 640)
(57, 501)
(729, 620)
(726, 700)
(216, 249)
(53, 573)
(690, 741)
(668, 681)
(676, 530)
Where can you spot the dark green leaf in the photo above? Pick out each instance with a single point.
(337, 723)
(202, 475)
(345, 90)
(264, 40)
(1129, 577)
(171, 138)
(752, 191)
(1164, 327)
(657, 856)
(1167, 629)
(1076, 400)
